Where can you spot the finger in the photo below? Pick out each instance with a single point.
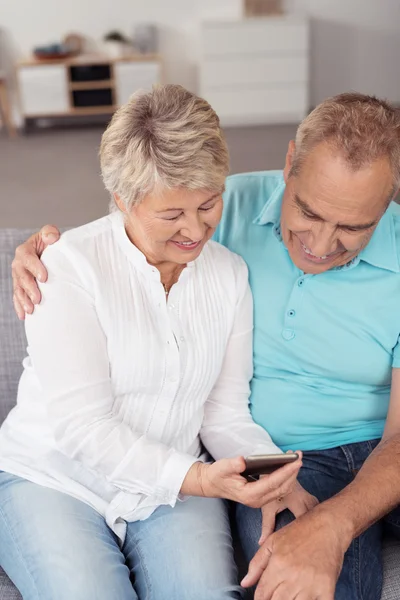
(24, 300)
(297, 505)
(268, 521)
(234, 465)
(257, 566)
(277, 479)
(268, 587)
(34, 265)
(27, 259)
(18, 308)
(281, 592)
(281, 492)
(50, 234)
(28, 284)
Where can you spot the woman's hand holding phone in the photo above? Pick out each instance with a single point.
(224, 479)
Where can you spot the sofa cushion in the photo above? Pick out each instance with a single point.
(12, 333)
(7, 589)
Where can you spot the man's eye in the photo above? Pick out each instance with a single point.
(307, 215)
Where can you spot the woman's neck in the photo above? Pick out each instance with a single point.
(169, 273)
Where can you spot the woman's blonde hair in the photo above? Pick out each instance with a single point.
(360, 128)
(165, 138)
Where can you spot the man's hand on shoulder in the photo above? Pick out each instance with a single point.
(27, 267)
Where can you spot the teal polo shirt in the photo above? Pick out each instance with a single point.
(324, 345)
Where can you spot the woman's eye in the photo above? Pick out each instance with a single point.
(171, 218)
(206, 207)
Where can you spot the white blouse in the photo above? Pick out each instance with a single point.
(121, 386)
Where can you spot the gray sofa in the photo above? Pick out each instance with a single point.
(12, 351)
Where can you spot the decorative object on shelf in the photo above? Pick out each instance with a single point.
(116, 44)
(51, 51)
(262, 8)
(145, 38)
(75, 43)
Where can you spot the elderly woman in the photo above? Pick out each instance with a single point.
(140, 352)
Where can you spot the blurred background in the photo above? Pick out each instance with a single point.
(262, 64)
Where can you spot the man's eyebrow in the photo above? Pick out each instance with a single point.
(175, 209)
(358, 227)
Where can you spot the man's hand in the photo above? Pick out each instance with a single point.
(298, 502)
(301, 561)
(26, 268)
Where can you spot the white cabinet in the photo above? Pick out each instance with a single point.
(83, 85)
(256, 71)
(43, 90)
(130, 77)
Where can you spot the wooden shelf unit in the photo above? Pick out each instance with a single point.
(83, 85)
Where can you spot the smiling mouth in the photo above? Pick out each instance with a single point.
(315, 258)
(186, 245)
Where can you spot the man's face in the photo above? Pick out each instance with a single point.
(330, 212)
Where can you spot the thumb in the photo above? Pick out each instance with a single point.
(50, 234)
(268, 522)
(233, 466)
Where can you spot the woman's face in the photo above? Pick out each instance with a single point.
(173, 225)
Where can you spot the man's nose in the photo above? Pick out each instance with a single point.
(323, 239)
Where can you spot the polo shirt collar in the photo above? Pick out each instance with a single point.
(380, 252)
(271, 211)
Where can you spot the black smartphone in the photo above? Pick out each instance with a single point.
(264, 464)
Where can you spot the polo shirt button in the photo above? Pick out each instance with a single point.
(300, 282)
(288, 334)
(291, 313)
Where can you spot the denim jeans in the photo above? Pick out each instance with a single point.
(54, 546)
(324, 474)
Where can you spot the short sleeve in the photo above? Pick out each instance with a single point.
(396, 355)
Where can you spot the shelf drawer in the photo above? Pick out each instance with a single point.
(233, 71)
(282, 104)
(255, 36)
(90, 72)
(43, 90)
(131, 76)
(100, 97)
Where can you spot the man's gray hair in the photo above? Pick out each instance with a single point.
(360, 128)
(165, 138)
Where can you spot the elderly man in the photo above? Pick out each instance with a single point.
(322, 242)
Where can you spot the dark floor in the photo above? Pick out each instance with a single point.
(53, 175)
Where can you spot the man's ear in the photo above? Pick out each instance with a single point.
(289, 159)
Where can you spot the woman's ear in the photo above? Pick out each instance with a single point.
(119, 203)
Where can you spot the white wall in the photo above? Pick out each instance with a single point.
(355, 43)
(39, 22)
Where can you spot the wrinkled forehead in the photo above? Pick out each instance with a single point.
(326, 180)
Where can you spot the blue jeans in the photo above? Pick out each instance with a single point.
(53, 546)
(324, 474)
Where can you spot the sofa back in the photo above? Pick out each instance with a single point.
(12, 332)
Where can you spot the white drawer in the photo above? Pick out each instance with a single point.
(133, 76)
(255, 36)
(43, 90)
(234, 71)
(275, 105)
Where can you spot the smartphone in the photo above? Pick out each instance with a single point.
(264, 464)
